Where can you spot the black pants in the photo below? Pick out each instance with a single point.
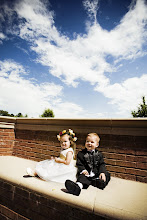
(86, 181)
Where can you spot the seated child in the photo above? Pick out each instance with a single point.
(58, 169)
(91, 167)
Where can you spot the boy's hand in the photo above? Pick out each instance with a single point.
(85, 172)
(102, 177)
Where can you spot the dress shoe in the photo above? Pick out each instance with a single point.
(72, 187)
(99, 183)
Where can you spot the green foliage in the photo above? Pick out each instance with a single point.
(142, 110)
(19, 115)
(5, 113)
(48, 113)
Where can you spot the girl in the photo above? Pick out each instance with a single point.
(58, 169)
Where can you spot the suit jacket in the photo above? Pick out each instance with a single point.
(84, 162)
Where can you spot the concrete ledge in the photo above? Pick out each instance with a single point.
(107, 126)
(121, 199)
(6, 125)
(134, 126)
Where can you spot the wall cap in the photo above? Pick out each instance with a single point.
(133, 126)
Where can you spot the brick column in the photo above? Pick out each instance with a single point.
(7, 136)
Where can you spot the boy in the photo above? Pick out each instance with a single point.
(91, 167)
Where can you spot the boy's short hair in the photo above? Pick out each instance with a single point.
(94, 134)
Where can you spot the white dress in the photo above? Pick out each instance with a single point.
(50, 170)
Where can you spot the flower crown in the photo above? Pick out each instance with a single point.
(69, 132)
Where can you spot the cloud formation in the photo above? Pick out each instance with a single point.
(20, 93)
(125, 95)
(32, 98)
(92, 8)
(85, 56)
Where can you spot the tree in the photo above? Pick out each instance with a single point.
(4, 113)
(48, 113)
(142, 110)
(19, 115)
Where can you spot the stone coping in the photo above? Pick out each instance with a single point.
(134, 126)
(121, 199)
(7, 125)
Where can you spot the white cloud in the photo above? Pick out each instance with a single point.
(39, 22)
(127, 95)
(2, 37)
(84, 57)
(91, 7)
(9, 66)
(19, 94)
(72, 110)
(68, 110)
(22, 95)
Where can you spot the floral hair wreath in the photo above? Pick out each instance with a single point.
(69, 132)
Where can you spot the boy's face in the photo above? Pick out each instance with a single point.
(91, 142)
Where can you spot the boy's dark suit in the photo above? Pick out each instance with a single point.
(91, 162)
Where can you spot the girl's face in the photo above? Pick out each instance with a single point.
(91, 142)
(65, 142)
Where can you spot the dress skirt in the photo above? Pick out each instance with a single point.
(50, 170)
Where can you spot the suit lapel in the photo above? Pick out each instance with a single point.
(87, 159)
(92, 164)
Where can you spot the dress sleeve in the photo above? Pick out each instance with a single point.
(64, 152)
(70, 150)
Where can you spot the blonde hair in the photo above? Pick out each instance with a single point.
(94, 134)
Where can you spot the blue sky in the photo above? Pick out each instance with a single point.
(82, 59)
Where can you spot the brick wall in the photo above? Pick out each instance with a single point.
(8, 214)
(123, 142)
(27, 204)
(7, 137)
(125, 156)
(40, 145)
(36, 145)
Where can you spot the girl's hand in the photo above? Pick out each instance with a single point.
(102, 176)
(67, 160)
(57, 159)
